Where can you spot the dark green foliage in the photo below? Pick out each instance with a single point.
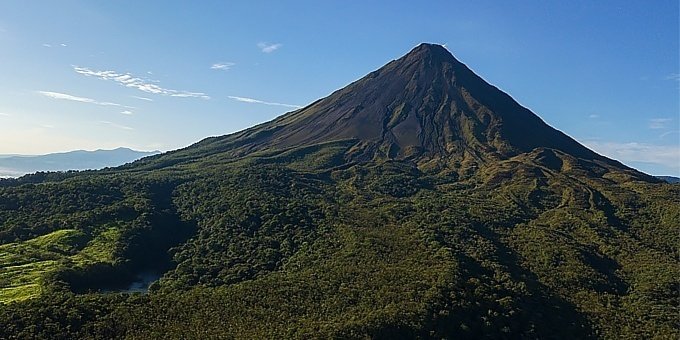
(374, 250)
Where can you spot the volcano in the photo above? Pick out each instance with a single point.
(425, 104)
(425, 107)
(417, 202)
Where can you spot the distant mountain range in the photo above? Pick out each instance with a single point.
(669, 179)
(19, 165)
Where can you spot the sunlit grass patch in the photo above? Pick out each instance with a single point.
(99, 249)
(19, 293)
(21, 282)
(23, 265)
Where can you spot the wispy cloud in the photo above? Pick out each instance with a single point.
(659, 123)
(47, 126)
(673, 76)
(128, 80)
(594, 116)
(118, 126)
(142, 98)
(2, 114)
(64, 96)
(268, 48)
(63, 45)
(126, 112)
(257, 101)
(222, 66)
(46, 45)
(666, 155)
(668, 133)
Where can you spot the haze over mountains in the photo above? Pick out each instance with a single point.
(417, 202)
(18, 165)
(670, 179)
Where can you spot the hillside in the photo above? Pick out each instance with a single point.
(417, 202)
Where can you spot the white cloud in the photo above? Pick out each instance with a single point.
(222, 66)
(659, 123)
(594, 116)
(126, 112)
(64, 96)
(63, 45)
(143, 98)
(46, 45)
(257, 101)
(268, 48)
(118, 126)
(2, 114)
(128, 80)
(47, 126)
(665, 155)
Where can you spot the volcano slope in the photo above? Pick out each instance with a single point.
(417, 202)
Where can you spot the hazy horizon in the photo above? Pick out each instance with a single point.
(12, 166)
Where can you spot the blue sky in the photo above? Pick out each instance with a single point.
(164, 74)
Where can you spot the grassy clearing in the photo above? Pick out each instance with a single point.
(23, 265)
(100, 249)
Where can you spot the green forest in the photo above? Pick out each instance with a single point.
(300, 244)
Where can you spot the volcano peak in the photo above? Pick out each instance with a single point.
(423, 106)
(431, 49)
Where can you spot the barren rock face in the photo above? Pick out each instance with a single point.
(426, 107)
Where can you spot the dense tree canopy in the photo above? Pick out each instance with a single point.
(276, 246)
